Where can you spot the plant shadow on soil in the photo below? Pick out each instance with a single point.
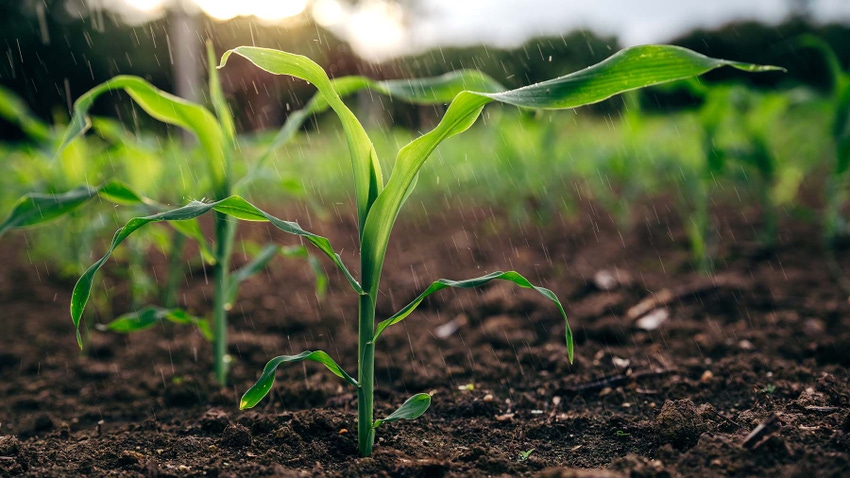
(767, 335)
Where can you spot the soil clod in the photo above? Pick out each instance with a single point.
(236, 436)
(679, 423)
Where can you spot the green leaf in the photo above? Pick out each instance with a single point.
(368, 179)
(264, 384)
(509, 276)
(149, 316)
(629, 69)
(411, 409)
(164, 107)
(233, 205)
(38, 208)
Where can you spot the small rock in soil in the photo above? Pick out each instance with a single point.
(679, 423)
(653, 320)
(610, 279)
(236, 436)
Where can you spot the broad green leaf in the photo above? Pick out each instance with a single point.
(258, 263)
(234, 206)
(163, 107)
(149, 316)
(38, 208)
(510, 276)
(264, 384)
(411, 409)
(368, 179)
(629, 69)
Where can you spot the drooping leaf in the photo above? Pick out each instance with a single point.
(38, 208)
(149, 316)
(264, 384)
(509, 276)
(411, 409)
(164, 107)
(234, 206)
(629, 69)
(368, 178)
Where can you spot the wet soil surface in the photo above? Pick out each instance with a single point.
(738, 374)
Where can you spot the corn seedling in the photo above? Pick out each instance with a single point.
(378, 204)
(216, 135)
(714, 111)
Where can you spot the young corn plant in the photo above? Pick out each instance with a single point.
(835, 224)
(216, 135)
(378, 204)
(715, 110)
(777, 181)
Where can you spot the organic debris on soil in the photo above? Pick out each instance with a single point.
(741, 373)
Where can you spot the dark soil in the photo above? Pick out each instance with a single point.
(763, 344)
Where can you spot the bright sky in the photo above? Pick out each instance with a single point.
(509, 22)
(379, 29)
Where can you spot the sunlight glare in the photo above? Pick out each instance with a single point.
(376, 30)
(269, 11)
(328, 13)
(145, 5)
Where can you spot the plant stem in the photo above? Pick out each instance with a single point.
(224, 233)
(366, 374)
